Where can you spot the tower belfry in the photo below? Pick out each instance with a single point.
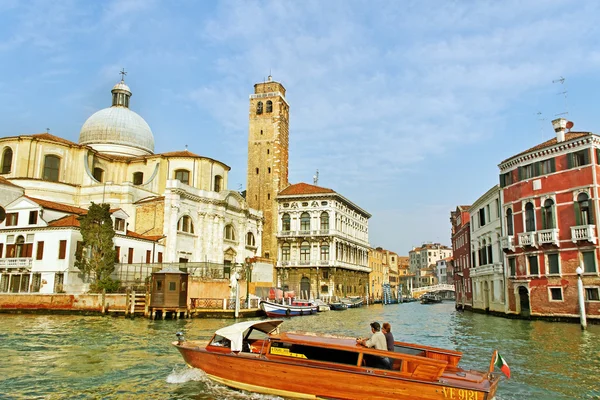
(268, 151)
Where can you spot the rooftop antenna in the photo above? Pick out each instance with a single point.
(186, 147)
(541, 119)
(561, 80)
(47, 130)
(240, 187)
(316, 178)
(123, 73)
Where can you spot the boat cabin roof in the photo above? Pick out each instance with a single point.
(235, 332)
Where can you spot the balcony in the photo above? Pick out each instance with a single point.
(583, 232)
(286, 233)
(508, 242)
(548, 236)
(527, 239)
(16, 262)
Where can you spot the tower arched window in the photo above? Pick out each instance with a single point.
(138, 178)
(183, 176)
(229, 232)
(324, 251)
(583, 211)
(305, 222)
(285, 222)
(285, 252)
(218, 183)
(529, 217)
(51, 168)
(98, 174)
(324, 220)
(259, 107)
(305, 251)
(7, 155)
(269, 106)
(185, 224)
(548, 214)
(250, 241)
(509, 222)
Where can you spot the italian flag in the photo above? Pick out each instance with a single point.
(500, 363)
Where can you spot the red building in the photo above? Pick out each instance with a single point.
(461, 250)
(550, 208)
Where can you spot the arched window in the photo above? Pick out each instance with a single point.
(324, 251)
(51, 168)
(218, 183)
(250, 239)
(305, 251)
(285, 252)
(98, 174)
(285, 222)
(583, 211)
(509, 222)
(324, 220)
(529, 217)
(7, 161)
(229, 232)
(185, 224)
(269, 106)
(305, 222)
(259, 107)
(138, 178)
(183, 176)
(548, 214)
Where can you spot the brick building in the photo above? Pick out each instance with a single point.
(461, 249)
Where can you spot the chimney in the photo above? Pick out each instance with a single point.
(560, 126)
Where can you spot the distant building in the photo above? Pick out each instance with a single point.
(390, 265)
(441, 267)
(377, 276)
(461, 247)
(426, 256)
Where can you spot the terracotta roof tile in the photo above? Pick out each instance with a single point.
(184, 153)
(51, 205)
(52, 138)
(66, 221)
(550, 143)
(304, 188)
(5, 181)
(140, 236)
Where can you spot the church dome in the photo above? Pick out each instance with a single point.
(118, 130)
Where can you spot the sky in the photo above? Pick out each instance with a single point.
(406, 108)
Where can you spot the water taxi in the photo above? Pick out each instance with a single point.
(256, 356)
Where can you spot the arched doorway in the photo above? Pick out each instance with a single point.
(305, 288)
(486, 296)
(524, 301)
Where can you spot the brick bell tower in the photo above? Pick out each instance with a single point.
(268, 149)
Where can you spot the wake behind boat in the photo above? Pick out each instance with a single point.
(255, 356)
(286, 310)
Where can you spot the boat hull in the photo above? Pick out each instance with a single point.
(283, 310)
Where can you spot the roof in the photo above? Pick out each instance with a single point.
(5, 181)
(52, 138)
(51, 205)
(152, 238)
(66, 221)
(550, 143)
(304, 188)
(150, 199)
(184, 153)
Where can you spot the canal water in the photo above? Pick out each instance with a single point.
(83, 357)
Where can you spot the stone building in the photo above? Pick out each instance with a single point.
(461, 250)
(378, 275)
(426, 256)
(322, 243)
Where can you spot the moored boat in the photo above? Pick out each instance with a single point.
(286, 310)
(352, 302)
(429, 298)
(309, 365)
(338, 306)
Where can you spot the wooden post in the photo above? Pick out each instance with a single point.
(132, 303)
(103, 301)
(147, 304)
(127, 301)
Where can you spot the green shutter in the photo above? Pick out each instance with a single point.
(577, 213)
(586, 157)
(536, 168)
(570, 160)
(520, 173)
(502, 180)
(544, 226)
(553, 164)
(597, 156)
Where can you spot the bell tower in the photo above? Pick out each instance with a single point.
(268, 149)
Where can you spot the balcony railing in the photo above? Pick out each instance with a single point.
(317, 232)
(548, 236)
(508, 242)
(583, 232)
(527, 239)
(15, 262)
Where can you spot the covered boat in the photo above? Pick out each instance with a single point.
(311, 366)
(287, 310)
(430, 298)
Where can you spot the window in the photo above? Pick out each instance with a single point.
(324, 221)
(119, 224)
(51, 168)
(497, 204)
(578, 158)
(506, 179)
(548, 214)
(547, 166)
(6, 161)
(130, 256)
(218, 183)
(529, 217)
(553, 265)
(172, 286)
(183, 176)
(305, 222)
(305, 251)
(62, 249)
(555, 294)
(229, 232)
(148, 256)
(98, 174)
(526, 172)
(269, 106)
(589, 261)
(117, 254)
(33, 215)
(592, 294)
(185, 224)
(250, 239)
(259, 108)
(583, 212)
(257, 171)
(509, 222)
(39, 254)
(533, 265)
(285, 222)
(159, 285)
(325, 274)
(138, 178)
(324, 251)
(481, 217)
(285, 252)
(160, 256)
(12, 219)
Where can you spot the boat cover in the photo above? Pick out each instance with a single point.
(235, 332)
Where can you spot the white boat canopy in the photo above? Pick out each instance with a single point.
(235, 332)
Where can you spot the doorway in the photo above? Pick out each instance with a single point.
(524, 301)
(305, 288)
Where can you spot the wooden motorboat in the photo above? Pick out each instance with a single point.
(287, 310)
(352, 302)
(429, 298)
(318, 366)
(338, 306)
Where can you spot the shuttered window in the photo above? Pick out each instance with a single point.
(553, 267)
(62, 249)
(39, 254)
(589, 261)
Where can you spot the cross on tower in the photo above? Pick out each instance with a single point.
(123, 73)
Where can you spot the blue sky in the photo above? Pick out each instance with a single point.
(404, 107)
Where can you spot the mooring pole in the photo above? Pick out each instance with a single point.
(582, 318)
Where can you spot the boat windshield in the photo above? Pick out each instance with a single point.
(220, 341)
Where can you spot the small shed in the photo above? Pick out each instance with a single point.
(169, 289)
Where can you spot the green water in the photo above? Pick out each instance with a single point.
(76, 357)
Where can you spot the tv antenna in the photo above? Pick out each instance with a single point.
(561, 80)
(541, 119)
(316, 178)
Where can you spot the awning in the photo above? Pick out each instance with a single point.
(235, 332)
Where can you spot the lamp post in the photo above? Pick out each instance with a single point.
(248, 265)
(582, 318)
(236, 274)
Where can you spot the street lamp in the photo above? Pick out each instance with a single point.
(582, 318)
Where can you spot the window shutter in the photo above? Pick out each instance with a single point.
(1, 248)
(520, 169)
(502, 180)
(586, 157)
(544, 222)
(62, 249)
(570, 160)
(597, 155)
(40, 251)
(577, 214)
(536, 168)
(553, 164)
(591, 212)
(28, 249)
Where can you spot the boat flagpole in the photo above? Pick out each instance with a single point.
(492, 363)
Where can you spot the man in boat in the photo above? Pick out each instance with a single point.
(377, 341)
(389, 338)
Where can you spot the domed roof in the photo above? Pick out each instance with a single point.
(117, 129)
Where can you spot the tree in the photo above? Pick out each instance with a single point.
(96, 256)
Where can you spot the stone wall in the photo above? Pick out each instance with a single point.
(62, 302)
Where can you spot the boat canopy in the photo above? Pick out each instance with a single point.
(235, 332)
